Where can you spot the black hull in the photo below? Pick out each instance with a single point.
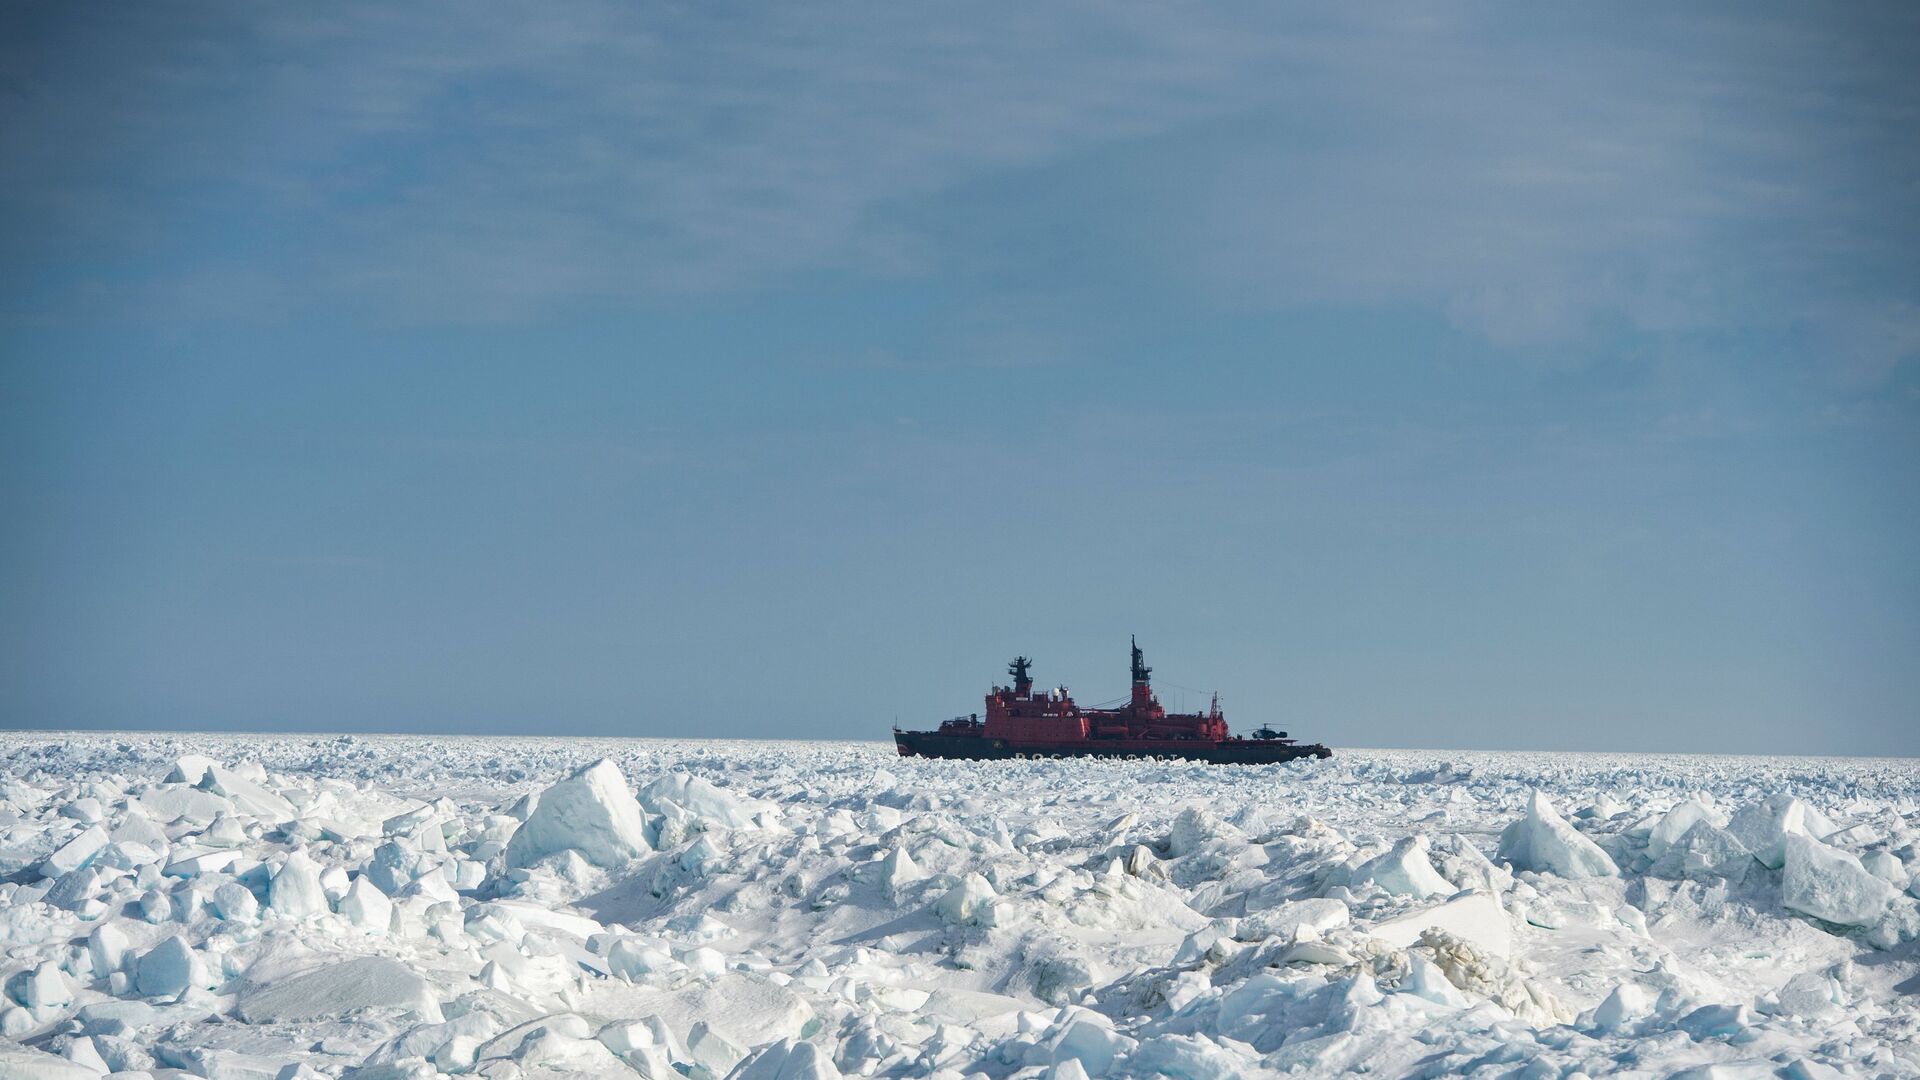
(979, 748)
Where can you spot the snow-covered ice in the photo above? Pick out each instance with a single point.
(302, 907)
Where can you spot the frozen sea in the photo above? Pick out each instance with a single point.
(244, 906)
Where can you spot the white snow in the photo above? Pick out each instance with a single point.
(306, 907)
(341, 989)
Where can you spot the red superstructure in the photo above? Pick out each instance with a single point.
(1022, 723)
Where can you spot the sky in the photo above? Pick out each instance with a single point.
(1413, 375)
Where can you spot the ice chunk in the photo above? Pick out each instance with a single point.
(75, 853)
(1301, 919)
(1708, 1021)
(190, 769)
(1475, 917)
(1543, 842)
(1704, 852)
(1070, 1069)
(337, 990)
(1806, 1069)
(1604, 808)
(1628, 1002)
(1195, 828)
(235, 901)
(1426, 980)
(711, 1049)
(898, 869)
(18, 1062)
(87, 810)
(408, 820)
(1856, 835)
(246, 795)
(635, 959)
(1887, 866)
(967, 902)
(166, 970)
(81, 1051)
(1675, 825)
(1405, 871)
(1830, 884)
(1813, 995)
(192, 862)
(116, 1017)
(226, 831)
(1764, 827)
(788, 1060)
(702, 799)
(74, 888)
(127, 855)
(1185, 1057)
(46, 987)
(107, 947)
(702, 855)
(1093, 1044)
(591, 812)
(367, 907)
(180, 802)
(623, 1037)
(704, 961)
(554, 1048)
(539, 916)
(296, 890)
(138, 828)
(393, 867)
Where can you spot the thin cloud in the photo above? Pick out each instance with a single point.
(1528, 176)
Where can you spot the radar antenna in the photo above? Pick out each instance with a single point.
(1022, 682)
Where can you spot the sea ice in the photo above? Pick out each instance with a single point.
(400, 908)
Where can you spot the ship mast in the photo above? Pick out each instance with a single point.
(1142, 688)
(1022, 682)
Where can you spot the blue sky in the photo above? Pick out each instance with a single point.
(1414, 376)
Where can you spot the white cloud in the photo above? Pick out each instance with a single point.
(1525, 174)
